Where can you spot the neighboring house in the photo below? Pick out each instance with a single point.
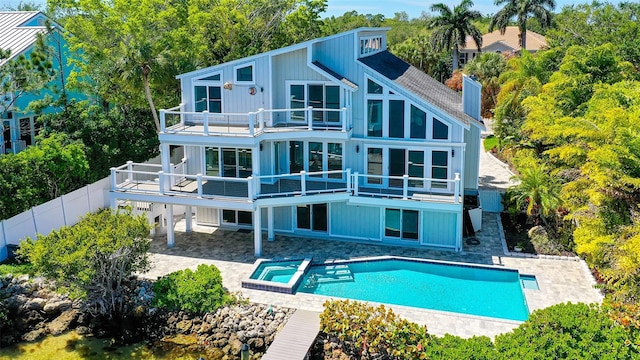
(18, 33)
(331, 138)
(501, 43)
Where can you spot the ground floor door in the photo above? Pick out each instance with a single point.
(312, 217)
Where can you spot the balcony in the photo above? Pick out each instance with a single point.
(253, 124)
(148, 179)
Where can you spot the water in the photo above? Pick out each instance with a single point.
(71, 346)
(468, 290)
(280, 272)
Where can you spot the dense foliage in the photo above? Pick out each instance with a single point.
(94, 258)
(573, 110)
(52, 167)
(197, 291)
(564, 331)
(110, 138)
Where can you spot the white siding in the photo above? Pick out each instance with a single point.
(282, 218)
(290, 66)
(207, 216)
(471, 157)
(355, 221)
(439, 228)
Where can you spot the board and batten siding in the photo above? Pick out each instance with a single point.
(471, 157)
(355, 221)
(194, 159)
(291, 66)
(207, 216)
(439, 229)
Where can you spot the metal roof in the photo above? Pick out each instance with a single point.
(16, 37)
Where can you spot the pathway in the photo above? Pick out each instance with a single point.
(296, 338)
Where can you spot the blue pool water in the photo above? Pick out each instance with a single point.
(280, 272)
(462, 289)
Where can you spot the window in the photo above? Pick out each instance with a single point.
(334, 162)
(215, 77)
(296, 156)
(439, 162)
(415, 168)
(208, 98)
(397, 163)
(370, 45)
(212, 160)
(402, 224)
(237, 217)
(315, 157)
(243, 74)
(396, 118)
(319, 96)
(374, 165)
(418, 123)
(374, 118)
(312, 217)
(236, 163)
(440, 130)
(373, 87)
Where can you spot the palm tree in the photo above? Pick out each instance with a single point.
(540, 9)
(537, 190)
(453, 26)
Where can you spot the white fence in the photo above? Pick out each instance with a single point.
(63, 211)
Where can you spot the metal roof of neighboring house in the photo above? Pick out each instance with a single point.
(419, 83)
(510, 38)
(14, 36)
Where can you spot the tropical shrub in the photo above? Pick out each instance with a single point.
(567, 331)
(95, 258)
(197, 291)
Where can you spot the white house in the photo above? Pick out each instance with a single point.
(331, 138)
(18, 33)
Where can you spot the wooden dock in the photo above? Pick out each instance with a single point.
(296, 338)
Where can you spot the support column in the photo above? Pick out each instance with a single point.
(270, 223)
(188, 218)
(459, 230)
(171, 241)
(257, 232)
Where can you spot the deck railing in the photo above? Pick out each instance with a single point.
(133, 177)
(176, 120)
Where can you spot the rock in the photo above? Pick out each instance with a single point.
(83, 330)
(205, 328)
(34, 335)
(235, 345)
(184, 326)
(35, 304)
(256, 343)
(54, 306)
(62, 322)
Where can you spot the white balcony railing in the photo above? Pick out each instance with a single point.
(135, 178)
(175, 120)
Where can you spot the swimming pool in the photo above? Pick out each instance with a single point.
(280, 272)
(474, 290)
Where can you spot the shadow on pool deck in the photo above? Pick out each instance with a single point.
(233, 246)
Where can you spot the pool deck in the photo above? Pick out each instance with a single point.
(232, 252)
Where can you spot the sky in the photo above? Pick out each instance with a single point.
(385, 7)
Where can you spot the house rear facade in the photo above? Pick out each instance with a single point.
(333, 138)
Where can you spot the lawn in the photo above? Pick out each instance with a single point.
(490, 142)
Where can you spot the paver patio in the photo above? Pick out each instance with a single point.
(232, 252)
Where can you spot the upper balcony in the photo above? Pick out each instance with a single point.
(263, 123)
(140, 179)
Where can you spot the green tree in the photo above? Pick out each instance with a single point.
(53, 167)
(567, 331)
(110, 138)
(487, 68)
(96, 257)
(452, 26)
(25, 74)
(537, 191)
(522, 10)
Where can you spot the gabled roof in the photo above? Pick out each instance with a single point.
(14, 35)
(419, 83)
(510, 38)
